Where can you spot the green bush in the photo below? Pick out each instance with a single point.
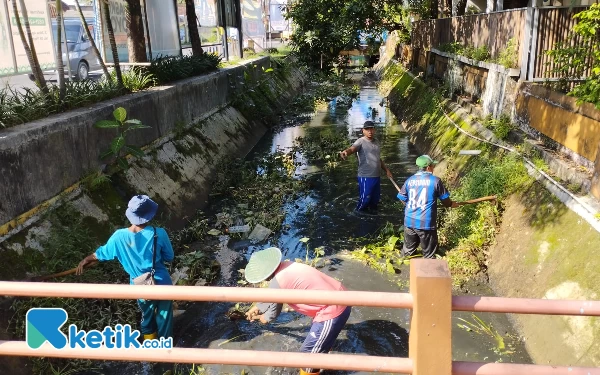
(21, 106)
(168, 69)
(500, 127)
(508, 56)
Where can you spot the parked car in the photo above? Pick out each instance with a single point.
(81, 56)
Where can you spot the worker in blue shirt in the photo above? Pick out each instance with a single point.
(133, 248)
(420, 192)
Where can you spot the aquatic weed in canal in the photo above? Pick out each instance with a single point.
(480, 327)
(383, 254)
(318, 252)
(323, 145)
(256, 190)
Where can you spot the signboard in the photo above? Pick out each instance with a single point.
(206, 11)
(162, 23)
(117, 19)
(278, 22)
(252, 18)
(163, 28)
(41, 30)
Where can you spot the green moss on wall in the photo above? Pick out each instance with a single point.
(466, 232)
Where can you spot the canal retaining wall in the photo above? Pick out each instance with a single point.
(542, 248)
(196, 125)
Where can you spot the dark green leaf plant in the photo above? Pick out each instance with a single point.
(119, 148)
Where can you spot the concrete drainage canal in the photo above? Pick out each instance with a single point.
(297, 167)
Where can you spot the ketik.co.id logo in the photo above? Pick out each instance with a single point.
(43, 324)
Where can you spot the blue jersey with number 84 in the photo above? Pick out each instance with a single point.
(420, 192)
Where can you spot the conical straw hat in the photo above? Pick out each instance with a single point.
(262, 264)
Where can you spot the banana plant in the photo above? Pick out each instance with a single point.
(118, 147)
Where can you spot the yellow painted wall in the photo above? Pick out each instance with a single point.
(572, 130)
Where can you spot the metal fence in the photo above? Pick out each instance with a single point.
(534, 31)
(430, 301)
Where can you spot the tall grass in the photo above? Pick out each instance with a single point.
(468, 231)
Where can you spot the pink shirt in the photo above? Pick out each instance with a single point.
(294, 275)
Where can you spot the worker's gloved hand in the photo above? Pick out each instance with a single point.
(253, 313)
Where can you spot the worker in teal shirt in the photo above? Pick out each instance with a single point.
(133, 248)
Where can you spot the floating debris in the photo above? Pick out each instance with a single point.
(469, 152)
(259, 234)
(239, 229)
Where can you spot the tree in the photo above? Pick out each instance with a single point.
(579, 57)
(59, 59)
(326, 27)
(136, 40)
(111, 38)
(29, 46)
(190, 11)
(461, 7)
(89, 36)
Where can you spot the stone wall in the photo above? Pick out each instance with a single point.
(553, 119)
(43, 158)
(194, 131)
(543, 247)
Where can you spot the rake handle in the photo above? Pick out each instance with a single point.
(482, 199)
(393, 182)
(61, 274)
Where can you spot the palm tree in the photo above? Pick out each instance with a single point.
(29, 47)
(190, 11)
(89, 36)
(111, 38)
(136, 41)
(59, 59)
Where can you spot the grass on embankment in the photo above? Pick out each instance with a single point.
(466, 233)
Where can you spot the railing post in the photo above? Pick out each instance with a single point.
(526, 39)
(430, 339)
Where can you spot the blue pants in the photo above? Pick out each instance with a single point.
(369, 192)
(322, 335)
(157, 316)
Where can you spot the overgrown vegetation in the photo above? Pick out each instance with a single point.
(465, 233)
(325, 88)
(323, 28)
(579, 59)
(508, 56)
(500, 127)
(25, 105)
(254, 191)
(476, 53)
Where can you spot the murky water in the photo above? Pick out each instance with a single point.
(326, 215)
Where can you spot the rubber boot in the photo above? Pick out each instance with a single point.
(150, 336)
(302, 372)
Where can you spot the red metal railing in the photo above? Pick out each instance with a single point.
(290, 359)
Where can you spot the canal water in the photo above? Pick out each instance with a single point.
(326, 216)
